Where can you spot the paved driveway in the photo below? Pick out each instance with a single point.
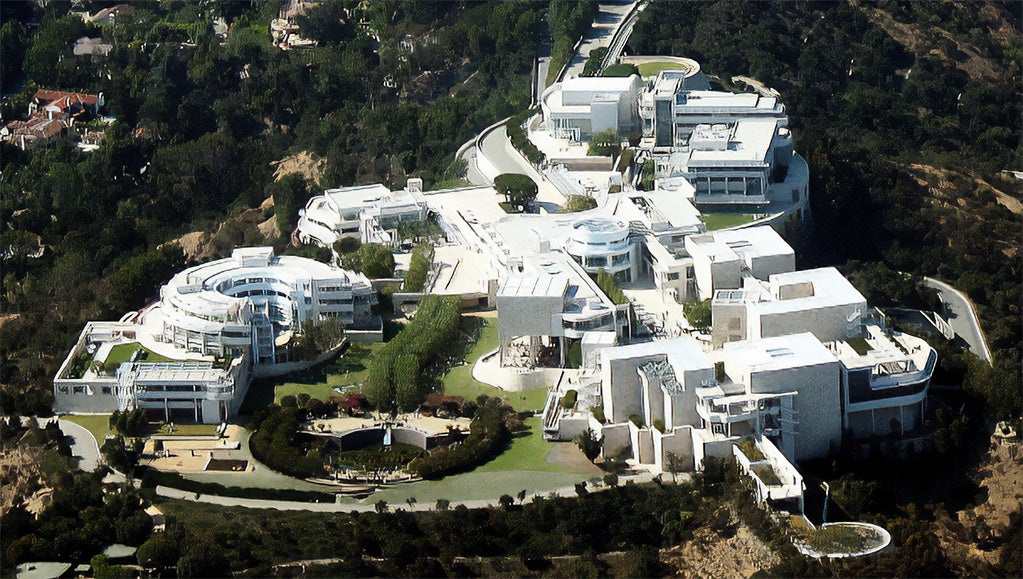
(962, 316)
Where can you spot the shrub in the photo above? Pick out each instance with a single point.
(607, 284)
(372, 259)
(488, 437)
(698, 314)
(646, 180)
(659, 424)
(274, 442)
(519, 139)
(626, 160)
(578, 203)
(598, 413)
(568, 401)
(419, 268)
(604, 144)
(637, 420)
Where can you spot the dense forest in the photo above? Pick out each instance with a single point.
(200, 116)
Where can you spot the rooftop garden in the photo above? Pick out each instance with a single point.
(750, 450)
(654, 68)
(766, 474)
(860, 345)
(122, 353)
(716, 221)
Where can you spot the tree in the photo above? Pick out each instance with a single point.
(408, 390)
(590, 443)
(674, 464)
(519, 190)
(698, 314)
(372, 259)
(578, 203)
(204, 560)
(506, 501)
(158, 552)
(13, 44)
(140, 276)
(381, 506)
(290, 194)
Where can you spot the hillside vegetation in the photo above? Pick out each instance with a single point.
(202, 121)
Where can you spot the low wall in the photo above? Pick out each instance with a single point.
(364, 437)
(275, 370)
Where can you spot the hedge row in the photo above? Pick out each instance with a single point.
(488, 436)
(520, 141)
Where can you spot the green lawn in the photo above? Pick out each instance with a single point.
(350, 369)
(189, 430)
(528, 451)
(459, 381)
(716, 221)
(654, 68)
(97, 424)
(121, 353)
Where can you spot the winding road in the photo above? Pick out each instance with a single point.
(962, 316)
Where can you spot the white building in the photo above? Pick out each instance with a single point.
(604, 244)
(785, 388)
(750, 162)
(820, 301)
(368, 212)
(885, 379)
(722, 258)
(579, 107)
(702, 107)
(253, 300)
(551, 306)
(191, 355)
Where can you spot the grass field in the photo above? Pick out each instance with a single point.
(654, 68)
(528, 451)
(121, 353)
(350, 369)
(353, 368)
(97, 424)
(716, 221)
(459, 381)
(189, 430)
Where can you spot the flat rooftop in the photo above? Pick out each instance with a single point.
(746, 244)
(532, 285)
(777, 353)
(808, 289)
(696, 101)
(683, 353)
(896, 354)
(748, 142)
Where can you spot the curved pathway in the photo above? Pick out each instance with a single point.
(962, 316)
(370, 505)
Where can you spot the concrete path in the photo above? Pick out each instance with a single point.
(84, 446)
(962, 316)
(370, 505)
(499, 150)
(609, 16)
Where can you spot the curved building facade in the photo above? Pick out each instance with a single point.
(253, 299)
(604, 244)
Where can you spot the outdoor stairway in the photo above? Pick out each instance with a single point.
(551, 415)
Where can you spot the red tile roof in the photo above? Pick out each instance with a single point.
(65, 99)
